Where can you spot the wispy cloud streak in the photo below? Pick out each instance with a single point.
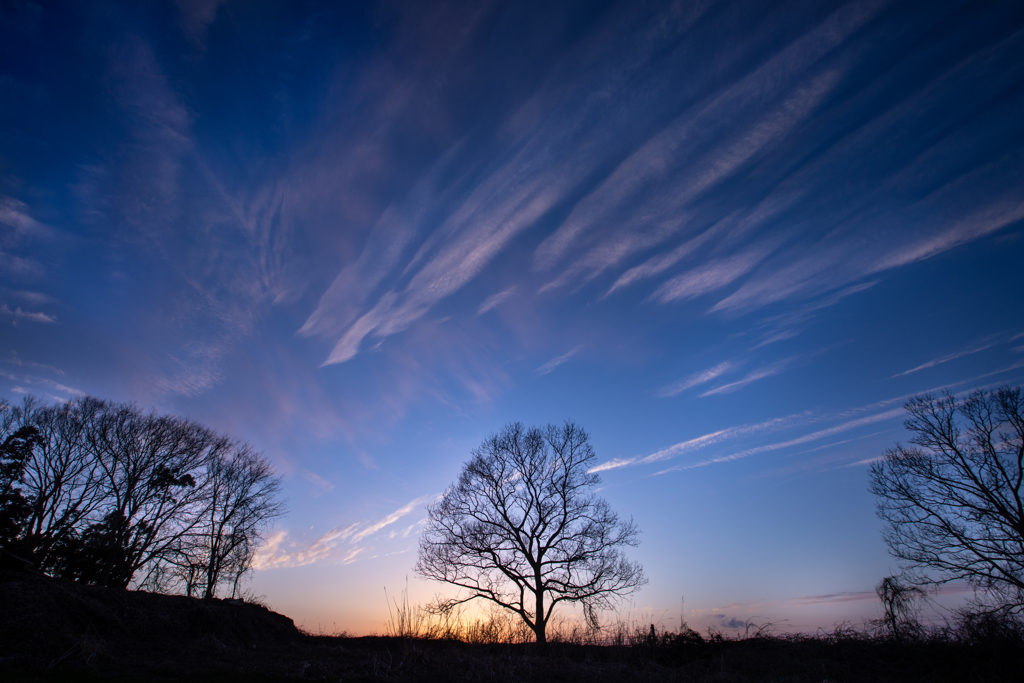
(814, 436)
(42, 381)
(695, 444)
(945, 359)
(710, 277)
(495, 300)
(697, 379)
(672, 149)
(32, 316)
(760, 373)
(852, 419)
(277, 552)
(555, 362)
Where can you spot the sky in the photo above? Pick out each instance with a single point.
(729, 239)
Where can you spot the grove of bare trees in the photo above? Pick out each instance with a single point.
(105, 493)
(522, 528)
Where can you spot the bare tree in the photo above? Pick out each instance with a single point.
(241, 501)
(240, 561)
(62, 477)
(154, 471)
(522, 529)
(953, 502)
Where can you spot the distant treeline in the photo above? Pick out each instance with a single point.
(105, 493)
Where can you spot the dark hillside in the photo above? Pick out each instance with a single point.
(54, 630)
(44, 613)
(50, 624)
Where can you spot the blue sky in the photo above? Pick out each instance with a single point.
(728, 239)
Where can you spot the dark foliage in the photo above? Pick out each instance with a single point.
(100, 555)
(15, 508)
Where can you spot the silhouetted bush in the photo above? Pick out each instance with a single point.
(979, 626)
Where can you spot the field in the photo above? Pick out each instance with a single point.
(55, 630)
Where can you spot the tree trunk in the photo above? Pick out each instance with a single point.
(212, 575)
(540, 624)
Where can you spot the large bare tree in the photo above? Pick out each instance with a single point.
(523, 529)
(952, 501)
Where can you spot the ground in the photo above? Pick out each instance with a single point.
(56, 630)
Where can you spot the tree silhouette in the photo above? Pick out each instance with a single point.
(15, 508)
(241, 500)
(101, 554)
(61, 478)
(522, 528)
(899, 607)
(105, 493)
(953, 502)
